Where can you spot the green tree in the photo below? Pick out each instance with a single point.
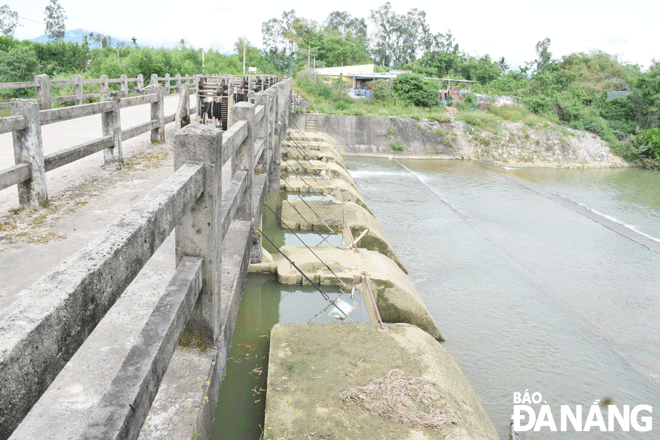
(346, 25)
(544, 56)
(278, 41)
(646, 98)
(415, 90)
(55, 17)
(399, 38)
(8, 21)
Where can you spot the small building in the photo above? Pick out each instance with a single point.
(354, 76)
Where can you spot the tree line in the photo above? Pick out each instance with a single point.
(571, 90)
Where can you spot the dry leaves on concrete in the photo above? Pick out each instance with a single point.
(398, 396)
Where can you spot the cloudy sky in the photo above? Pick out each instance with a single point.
(508, 28)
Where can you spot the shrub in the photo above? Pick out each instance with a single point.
(19, 64)
(415, 90)
(397, 146)
(382, 90)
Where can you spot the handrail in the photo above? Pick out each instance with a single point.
(42, 330)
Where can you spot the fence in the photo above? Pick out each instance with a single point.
(43, 85)
(26, 120)
(42, 330)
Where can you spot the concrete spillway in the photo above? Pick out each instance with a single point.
(311, 366)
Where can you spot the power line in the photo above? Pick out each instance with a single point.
(29, 19)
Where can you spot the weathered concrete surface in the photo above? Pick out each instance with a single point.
(355, 133)
(310, 365)
(396, 296)
(325, 170)
(313, 186)
(315, 151)
(303, 215)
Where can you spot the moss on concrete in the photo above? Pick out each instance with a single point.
(310, 365)
(303, 215)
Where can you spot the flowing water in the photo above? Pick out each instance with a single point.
(541, 280)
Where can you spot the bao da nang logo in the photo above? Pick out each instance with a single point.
(532, 413)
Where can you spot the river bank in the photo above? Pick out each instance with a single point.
(509, 144)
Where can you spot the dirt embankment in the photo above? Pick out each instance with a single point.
(507, 144)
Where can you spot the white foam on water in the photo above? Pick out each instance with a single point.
(633, 228)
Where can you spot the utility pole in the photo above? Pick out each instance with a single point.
(243, 55)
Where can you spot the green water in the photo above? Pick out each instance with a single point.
(265, 302)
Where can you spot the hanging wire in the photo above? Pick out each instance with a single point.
(310, 208)
(324, 238)
(316, 286)
(305, 244)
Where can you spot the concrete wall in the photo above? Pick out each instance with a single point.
(375, 135)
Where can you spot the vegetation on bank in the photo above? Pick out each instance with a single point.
(332, 98)
(570, 91)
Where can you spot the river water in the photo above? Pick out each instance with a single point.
(541, 280)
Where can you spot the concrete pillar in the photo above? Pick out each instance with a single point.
(140, 81)
(28, 148)
(177, 82)
(182, 116)
(104, 83)
(168, 85)
(244, 157)
(124, 86)
(78, 90)
(158, 113)
(111, 123)
(154, 80)
(262, 129)
(42, 91)
(199, 232)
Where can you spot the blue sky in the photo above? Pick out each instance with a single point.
(508, 28)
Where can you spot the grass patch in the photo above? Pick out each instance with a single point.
(479, 118)
(397, 146)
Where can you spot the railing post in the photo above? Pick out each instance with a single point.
(42, 91)
(244, 157)
(111, 122)
(262, 129)
(168, 85)
(177, 83)
(274, 179)
(199, 231)
(28, 148)
(78, 90)
(182, 116)
(154, 80)
(124, 86)
(158, 113)
(104, 83)
(140, 81)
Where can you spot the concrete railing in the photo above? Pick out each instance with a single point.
(26, 120)
(43, 86)
(42, 330)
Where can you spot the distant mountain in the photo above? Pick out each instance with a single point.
(76, 36)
